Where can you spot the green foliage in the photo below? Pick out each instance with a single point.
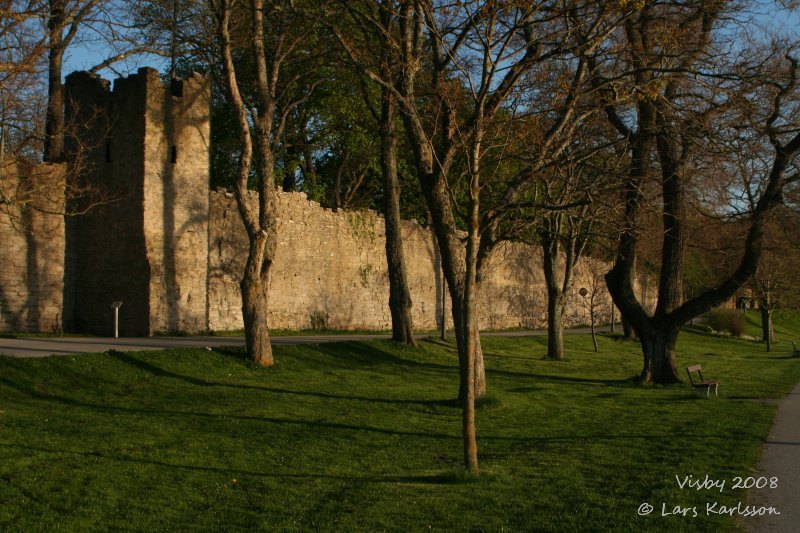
(318, 321)
(728, 320)
(364, 273)
(366, 436)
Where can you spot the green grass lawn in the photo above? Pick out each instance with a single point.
(366, 436)
(786, 325)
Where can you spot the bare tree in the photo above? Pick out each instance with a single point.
(776, 281)
(22, 51)
(575, 212)
(64, 18)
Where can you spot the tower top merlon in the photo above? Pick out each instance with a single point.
(147, 75)
(147, 71)
(192, 84)
(87, 79)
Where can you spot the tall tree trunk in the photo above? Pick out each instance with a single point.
(658, 349)
(627, 330)
(438, 201)
(433, 161)
(399, 293)
(307, 166)
(54, 117)
(260, 221)
(337, 184)
(673, 250)
(555, 324)
(591, 322)
(469, 305)
(556, 299)
(479, 374)
(766, 323)
(467, 370)
(289, 183)
(444, 228)
(471, 279)
(255, 292)
(443, 298)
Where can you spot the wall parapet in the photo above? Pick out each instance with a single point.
(330, 268)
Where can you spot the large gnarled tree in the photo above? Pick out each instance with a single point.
(686, 97)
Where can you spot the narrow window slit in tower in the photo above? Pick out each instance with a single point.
(173, 155)
(176, 88)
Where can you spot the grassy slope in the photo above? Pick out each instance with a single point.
(365, 436)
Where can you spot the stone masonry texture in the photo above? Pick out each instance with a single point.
(144, 146)
(331, 268)
(31, 247)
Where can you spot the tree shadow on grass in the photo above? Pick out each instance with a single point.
(362, 355)
(526, 389)
(754, 398)
(73, 402)
(690, 397)
(531, 440)
(774, 357)
(161, 372)
(609, 395)
(442, 478)
(352, 354)
(628, 382)
(238, 353)
(150, 368)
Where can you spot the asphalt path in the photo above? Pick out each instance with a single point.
(47, 346)
(780, 467)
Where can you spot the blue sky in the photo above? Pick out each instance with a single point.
(83, 57)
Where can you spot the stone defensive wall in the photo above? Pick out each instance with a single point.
(144, 145)
(330, 271)
(157, 240)
(330, 268)
(32, 243)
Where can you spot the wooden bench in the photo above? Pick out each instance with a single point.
(703, 384)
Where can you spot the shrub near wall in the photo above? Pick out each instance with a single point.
(727, 320)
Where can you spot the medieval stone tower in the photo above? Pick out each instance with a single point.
(142, 150)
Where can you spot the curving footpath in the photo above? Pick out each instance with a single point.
(47, 346)
(781, 459)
